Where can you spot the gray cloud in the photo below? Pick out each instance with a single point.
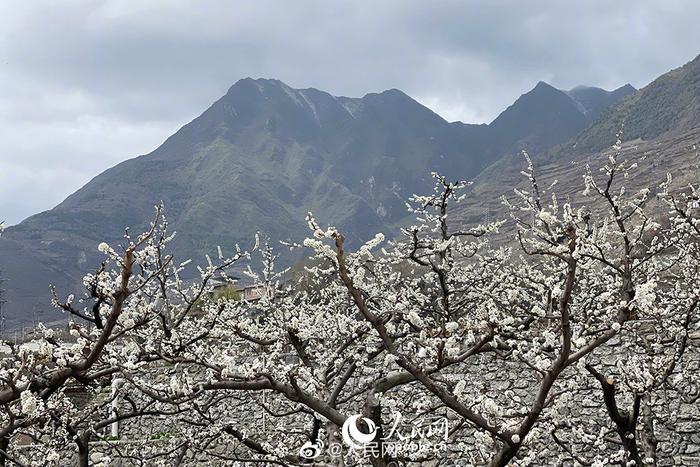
(88, 83)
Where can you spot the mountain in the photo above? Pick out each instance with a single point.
(593, 101)
(260, 158)
(547, 116)
(538, 119)
(671, 103)
(661, 129)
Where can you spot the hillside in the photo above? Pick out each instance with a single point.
(661, 130)
(264, 155)
(674, 153)
(671, 103)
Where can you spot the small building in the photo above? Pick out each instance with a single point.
(249, 292)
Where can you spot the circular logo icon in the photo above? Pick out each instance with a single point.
(353, 436)
(311, 450)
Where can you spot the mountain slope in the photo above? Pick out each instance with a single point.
(264, 155)
(671, 103)
(661, 131)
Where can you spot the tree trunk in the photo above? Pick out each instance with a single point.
(4, 445)
(647, 436)
(505, 455)
(374, 411)
(83, 442)
(625, 423)
(630, 444)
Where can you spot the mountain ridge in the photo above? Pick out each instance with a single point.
(262, 156)
(673, 99)
(658, 124)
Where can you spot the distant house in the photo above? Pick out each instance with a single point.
(249, 292)
(254, 292)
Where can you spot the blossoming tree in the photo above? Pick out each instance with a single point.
(498, 341)
(442, 345)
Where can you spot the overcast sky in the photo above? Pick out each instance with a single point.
(86, 84)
